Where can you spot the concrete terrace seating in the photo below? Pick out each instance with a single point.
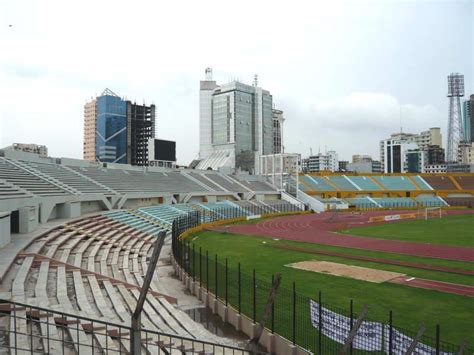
(8, 191)
(395, 182)
(206, 182)
(279, 205)
(85, 255)
(227, 183)
(27, 181)
(460, 201)
(421, 182)
(70, 178)
(164, 213)
(252, 208)
(222, 209)
(342, 183)
(395, 202)
(317, 183)
(130, 181)
(466, 182)
(362, 202)
(440, 182)
(365, 183)
(430, 201)
(256, 185)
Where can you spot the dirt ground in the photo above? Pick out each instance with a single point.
(354, 272)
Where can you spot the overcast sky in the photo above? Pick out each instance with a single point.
(341, 71)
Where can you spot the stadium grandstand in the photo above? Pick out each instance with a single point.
(76, 241)
(388, 191)
(77, 236)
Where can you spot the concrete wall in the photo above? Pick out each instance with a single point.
(274, 343)
(91, 206)
(69, 210)
(142, 202)
(28, 217)
(5, 236)
(313, 204)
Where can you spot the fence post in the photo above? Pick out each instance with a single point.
(254, 298)
(226, 282)
(437, 339)
(215, 272)
(352, 322)
(194, 263)
(273, 309)
(240, 289)
(188, 259)
(200, 266)
(207, 271)
(320, 322)
(390, 334)
(294, 312)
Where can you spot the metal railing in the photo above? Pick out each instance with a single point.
(38, 330)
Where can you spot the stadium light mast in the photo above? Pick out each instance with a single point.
(455, 128)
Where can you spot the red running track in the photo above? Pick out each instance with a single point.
(435, 285)
(321, 228)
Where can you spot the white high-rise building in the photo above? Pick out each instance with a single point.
(236, 125)
(423, 140)
(321, 162)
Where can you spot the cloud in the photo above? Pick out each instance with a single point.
(327, 65)
(353, 124)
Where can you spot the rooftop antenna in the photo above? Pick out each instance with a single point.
(310, 151)
(208, 73)
(255, 80)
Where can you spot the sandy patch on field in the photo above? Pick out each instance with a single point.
(354, 272)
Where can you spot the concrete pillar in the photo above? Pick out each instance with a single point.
(238, 322)
(5, 236)
(69, 210)
(270, 345)
(28, 219)
(211, 199)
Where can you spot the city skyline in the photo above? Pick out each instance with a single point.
(342, 91)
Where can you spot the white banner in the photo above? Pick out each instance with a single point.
(401, 343)
(369, 336)
(337, 327)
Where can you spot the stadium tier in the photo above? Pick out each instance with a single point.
(395, 182)
(364, 183)
(440, 182)
(388, 191)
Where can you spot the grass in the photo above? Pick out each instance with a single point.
(449, 230)
(411, 306)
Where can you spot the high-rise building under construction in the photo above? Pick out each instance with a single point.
(117, 130)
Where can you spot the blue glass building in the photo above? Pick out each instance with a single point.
(111, 129)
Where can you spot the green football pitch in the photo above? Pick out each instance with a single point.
(410, 306)
(453, 230)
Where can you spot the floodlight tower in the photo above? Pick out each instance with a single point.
(455, 128)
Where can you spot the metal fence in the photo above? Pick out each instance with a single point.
(397, 204)
(314, 324)
(37, 330)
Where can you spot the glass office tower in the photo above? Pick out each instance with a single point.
(111, 129)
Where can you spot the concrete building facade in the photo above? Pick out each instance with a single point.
(468, 119)
(236, 125)
(90, 114)
(278, 121)
(423, 140)
(321, 162)
(41, 150)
